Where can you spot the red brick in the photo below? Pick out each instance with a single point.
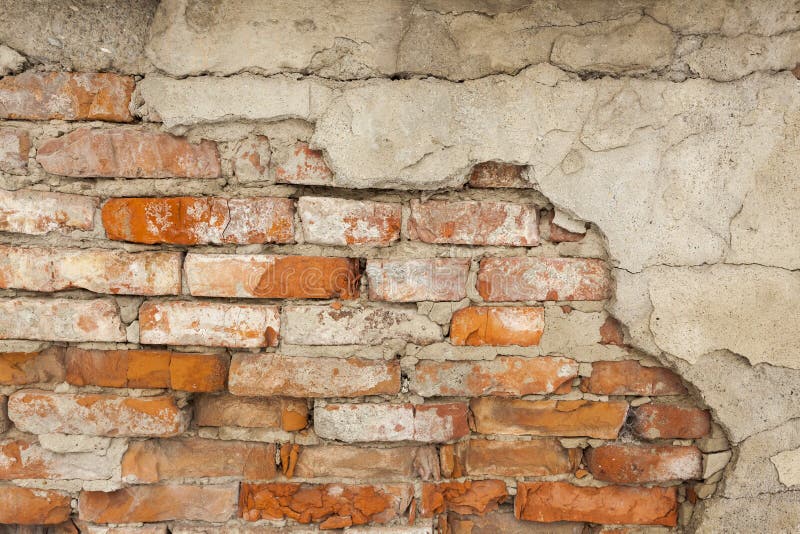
(227, 410)
(26, 459)
(278, 277)
(98, 270)
(15, 144)
(611, 332)
(127, 153)
(23, 506)
(338, 221)
(305, 167)
(431, 423)
(636, 464)
(45, 412)
(71, 96)
(504, 376)
(211, 324)
(147, 504)
(601, 420)
(629, 377)
(40, 212)
(146, 369)
(534, 458)
(663, 421)
(507, 279)
(199, 221)
(348, 461)
(468, 497)
(495, 325)
(296, 376)
(147, 462)
(438, 279)
(559, 234)
(504, 522)
(21, 368)
(251, 163)
(495, 174)
(559, 501)
(473, 222)
(60, 320)
(329, 504)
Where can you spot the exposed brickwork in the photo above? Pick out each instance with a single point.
(39, 212)
(499, 326)
(333, 221)
(15, 144)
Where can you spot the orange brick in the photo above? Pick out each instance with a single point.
(23, 506)
(71, 96)
(662, 421)
(547, 502)
(601, 420)
(551, 279)
(305, 503)
(348, 461)
(636, 464)
(198, 372)
(147, 504)
(151, 461)
(45, 412)
(473, 222)
(262, 276)
(296, 376)
(538, 457)
(629, 377)
(468, 497)
(338, 221)
(26, 459)
(21, 368)
(437, 279)
(199, 221)
(305, 167)
(559, 234)
(228, 410)
(127, 153)
(495, 325)
(503, 376)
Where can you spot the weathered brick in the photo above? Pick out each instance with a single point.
(24, 506)
(279, 277)
(559, 234)
(534, 458)
(629, 377)
(503, 376)
(5, 422)
(347, 461)
(251, 163)
(637, 464)
(468, 497)
(147, 504)
(147, 462)
(495, 174)
(338, 221)
(560, 501)
(663, 421)
(199, 221)
(71, 96)
(507, 279)
(391, 422)
(296, 376)
(304, 166)
(504, 522)
(146, 369)
(15, 144)
(60, 320)
(21, 368)
(209, 324)
(45, 412)
(549, 417)
(611, 332)
(228, 410)
(98, 270)
(495, 325)
(26, 459)
(331, 325)
(87, 528)
(472, 222)
(331, 505)
(40, 212)
(437, 279)
(126, 153)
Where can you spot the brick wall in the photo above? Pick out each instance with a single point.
(241, 346)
